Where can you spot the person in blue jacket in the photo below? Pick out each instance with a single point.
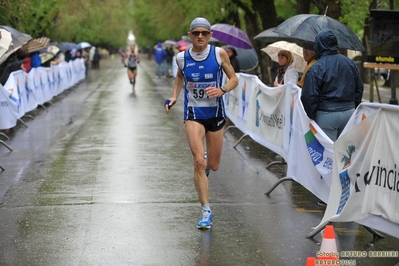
(333, 87)
(160, 60)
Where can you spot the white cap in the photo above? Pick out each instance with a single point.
(200, 22)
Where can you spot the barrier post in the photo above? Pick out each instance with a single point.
(4, 135)
(8, 147)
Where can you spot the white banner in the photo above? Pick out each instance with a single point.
(14, 91)
(365, 184)
(27, 98)
(32, 85)
(267, 119)
(45, 83)
(24, 91)
(237, 101)
(310, 153)
(8, 110)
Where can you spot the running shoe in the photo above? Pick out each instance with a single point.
(205, 221)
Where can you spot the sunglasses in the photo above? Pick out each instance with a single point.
(197, 33)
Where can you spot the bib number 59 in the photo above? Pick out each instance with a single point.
(199, 93)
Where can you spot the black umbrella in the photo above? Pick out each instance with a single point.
(248, 58)
(269, 36)
(305, 27)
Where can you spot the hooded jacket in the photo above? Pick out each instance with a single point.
(333, 82)
(159, 53)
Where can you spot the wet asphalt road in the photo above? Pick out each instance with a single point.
(104, 177)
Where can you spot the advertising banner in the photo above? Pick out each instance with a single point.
(365, 183)
(8, 110)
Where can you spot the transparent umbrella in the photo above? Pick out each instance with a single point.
(273, 49)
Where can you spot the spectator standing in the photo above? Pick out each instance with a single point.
(333, 87)
(35, 59)
(91, 55)
(232, 53)
(310, 57)
(286, 73)
(160, 62)
(26, 62)
(169, 58)
(96, 59)
(12, 64)
(85, 55)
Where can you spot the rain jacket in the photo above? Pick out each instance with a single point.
(333, 82)
(159, 53)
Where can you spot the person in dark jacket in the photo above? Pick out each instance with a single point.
(332, 88)
(96, 59)
(233, 58)
(12, 64)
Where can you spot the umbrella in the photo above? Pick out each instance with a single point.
(296, 51)
(170, 43)
(183, 45)
(268, 36)
(46, 56)
(306, 26)
(83, 45)
(51, 51)
(18, 39)
(231, 35)
(66, 46)
(5, 41)
(35, 45)
(248, 58)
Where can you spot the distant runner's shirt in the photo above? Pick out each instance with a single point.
(200, 71)
(132, 60)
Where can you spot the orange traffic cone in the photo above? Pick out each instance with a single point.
(311, 261)
(328, 249)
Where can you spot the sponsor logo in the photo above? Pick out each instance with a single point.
(201, 67)
(195, 75)
(201, 85)
(190, 64)
(208, 76)
(220, 122)
(315, 148)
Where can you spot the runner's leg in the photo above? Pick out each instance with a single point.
(214, 144)
(195, 133)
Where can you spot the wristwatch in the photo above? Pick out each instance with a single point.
(224, 89)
